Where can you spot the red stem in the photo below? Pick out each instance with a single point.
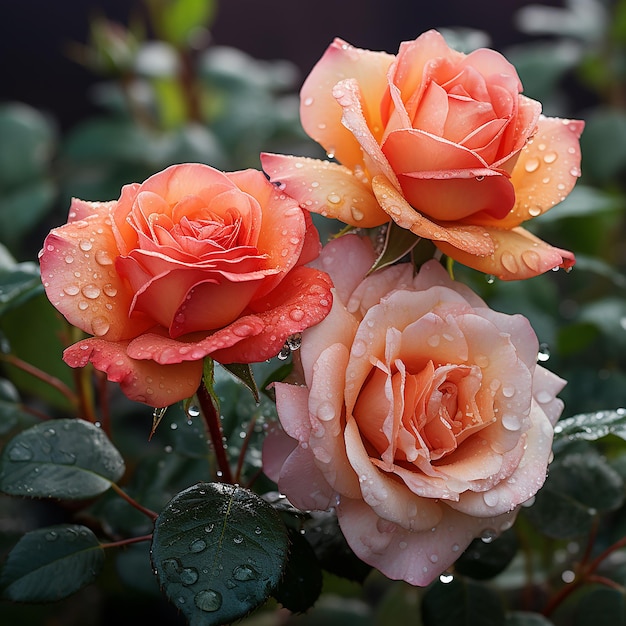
(214, 425)
(120, 492)
(125, 542)
(244, 448)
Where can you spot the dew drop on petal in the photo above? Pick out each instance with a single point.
(85, 245)
(208, 600)
(71, 290)
(103, 258)
(326, 411)
(100, 326)
(90, 291)
(531, 165)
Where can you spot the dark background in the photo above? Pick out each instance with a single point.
(35, 35)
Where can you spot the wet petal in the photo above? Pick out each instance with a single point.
(326, 188)
(78, 272)
(474, 240)
(518, 255)
(142, 381)
(319, 111)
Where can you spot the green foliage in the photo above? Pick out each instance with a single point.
(219, 550)
(51, 563)
(66, 459)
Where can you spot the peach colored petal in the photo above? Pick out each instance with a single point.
(78, 272)
(349, 95)
(319, 111)
(83, 209)
(277, 446)
(416, 557)
(546, 385)
(143, 381)
(445, 180)
(474, 240)
(389, 499)
(282, 231)
(326, 188)
(518, 255)
(546, 171)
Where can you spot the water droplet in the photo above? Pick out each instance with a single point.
(512, 422)
(508, 391)
(433, 558)
(103, 258)
(481, 360)
(193, 410)
(100, 326)
(550, 157)
(308, 101)
(20, 452)
(296, 314)
(433, 340)
(197, 546)
(357, 214)
(243, 573)
(509, 262)
(544, 352)
(69, 259)
(333, 198)
(83, 306)
(90, 291)
(188, 575)
(491, 498)
(85, 245)
(71, 290)
(534, 211)
(238, 539)
(109, 290)
(208, 600)
(543, 396)
(446, 578)
(359, 348)
(490, 279)
(326, 411)
(488, 535)
(51, 535)
(531, 164)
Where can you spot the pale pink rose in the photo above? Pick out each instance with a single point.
(191, 263)
(442, 143)
(421, 415)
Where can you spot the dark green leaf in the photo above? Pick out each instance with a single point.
(243, 372)
(398, 243)
(485, 560)
(592, 426)
(583, 201)
(219, 550)
(11, 412)
(461, 603)
(604, 143)
(51, 563)
(178, 19)
(18, 284)
(302, 583)
(65, 459)
(601, 606)
(526, 618)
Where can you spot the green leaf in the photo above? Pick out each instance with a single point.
(591, 426)
(601, 606)
(398, 243)
(244, 373)
(526, 618)
(461, 603)
(11, 412)
(66, 459)
(51, 563)
(18, 284)
(582, 202)
(302, 583)
(27, 144)
(485, 560)
(219, 550)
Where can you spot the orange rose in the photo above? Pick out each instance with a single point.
(191, 263)
(442, 143)
(420, 414)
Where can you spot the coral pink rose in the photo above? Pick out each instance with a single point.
(421, 415)
(191, 263)
(441, 142)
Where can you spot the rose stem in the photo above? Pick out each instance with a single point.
(212, 420)
(586, 575)
(244, 448)
(53, 381)
(120, 492)
(125, 542)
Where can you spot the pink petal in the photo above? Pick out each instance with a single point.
(326, 188)
(319, 111)
(418, 557)
(78, 272)
(143, 381)
(546, 385)
(473, 239)
(518, 255)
